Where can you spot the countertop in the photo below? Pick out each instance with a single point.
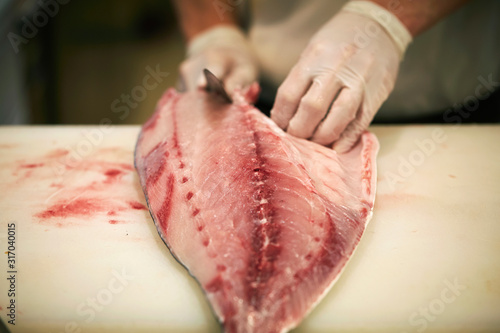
(88, 257)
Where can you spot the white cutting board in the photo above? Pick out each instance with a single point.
(429, 260)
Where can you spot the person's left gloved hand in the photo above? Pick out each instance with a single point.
(225, 51)
(343, 76)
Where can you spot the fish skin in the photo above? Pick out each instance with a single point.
(264, 221)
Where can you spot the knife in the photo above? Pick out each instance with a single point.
(216, 86)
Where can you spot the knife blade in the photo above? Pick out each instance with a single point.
(216, 86)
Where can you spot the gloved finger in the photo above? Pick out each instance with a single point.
(341, 114)
(353, 131)
(288, 96)
(239, 77)
(314, 106)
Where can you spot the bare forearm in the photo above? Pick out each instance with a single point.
(420, 15)
(195, 16)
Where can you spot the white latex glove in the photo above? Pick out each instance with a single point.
(343, 76)
(224, 50)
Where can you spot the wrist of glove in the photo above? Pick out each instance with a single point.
(225, 51)
(343, 76)
(388, 21)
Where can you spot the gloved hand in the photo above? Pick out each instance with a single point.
(343, 76)
(224, 50)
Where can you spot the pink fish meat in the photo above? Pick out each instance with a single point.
(264, 221)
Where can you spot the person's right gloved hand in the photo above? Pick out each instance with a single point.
(225, 51)
(343, 76)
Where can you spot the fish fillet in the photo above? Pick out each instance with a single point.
(264, 221)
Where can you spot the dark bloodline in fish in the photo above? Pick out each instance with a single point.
(159, 172)
(166, 207)
(154, 177)
(265, 232)
(165, 210)
(262, 256)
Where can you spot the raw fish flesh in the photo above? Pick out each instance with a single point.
(264, 221)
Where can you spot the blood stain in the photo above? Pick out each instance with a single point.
(113, 172)
(78, 207)
(113, 221)
(137, 205)
(113, 175)
(32, 165)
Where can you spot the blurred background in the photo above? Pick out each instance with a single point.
(66, 62)
(82, 62)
